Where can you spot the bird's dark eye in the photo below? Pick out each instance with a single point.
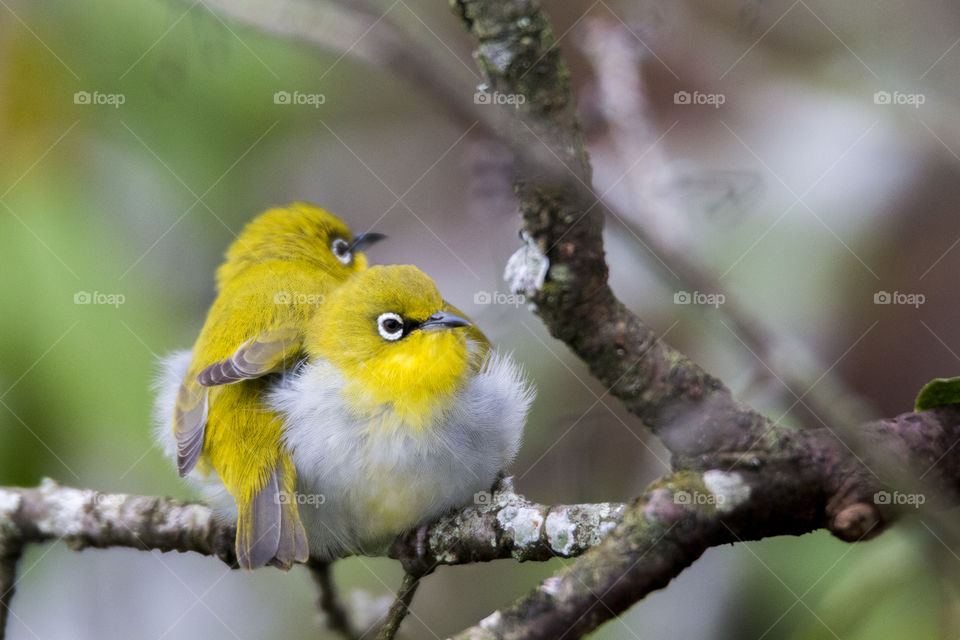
(341, 249)
(390, 326)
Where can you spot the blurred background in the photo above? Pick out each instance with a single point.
(802, 155)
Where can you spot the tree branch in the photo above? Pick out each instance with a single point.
(805, 482)
(508, 526)
(679, 517)
(85, 518)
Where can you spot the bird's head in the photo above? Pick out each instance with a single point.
(301, 232)
(390, 334)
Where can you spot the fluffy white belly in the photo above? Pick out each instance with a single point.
(362, 479)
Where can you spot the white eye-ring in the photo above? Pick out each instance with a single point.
(341, 249)
(390, 326)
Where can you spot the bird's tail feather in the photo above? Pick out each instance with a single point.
(269, 530)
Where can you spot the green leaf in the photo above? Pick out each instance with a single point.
(939, 392)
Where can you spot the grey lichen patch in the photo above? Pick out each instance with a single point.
(606, 527)
(572, 530)
(195, 518)
(65, 507)
(729, 488)
(599, 522)
(48, 486)
(527, 268)
(492, 621)
(441, 537)
(9, 503)
(523, 524)
(496, 55)
(560, 531)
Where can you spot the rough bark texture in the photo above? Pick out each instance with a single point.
(85, 518)
(807, 486)
(507, 527)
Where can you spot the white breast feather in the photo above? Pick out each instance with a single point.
(411, 477)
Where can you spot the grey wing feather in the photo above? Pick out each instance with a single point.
(229, 370)
(293, 541)
(189, 428)
(254, 358)
(265, 528)
(301, 551)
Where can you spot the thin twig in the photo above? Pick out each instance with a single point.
(400, 607)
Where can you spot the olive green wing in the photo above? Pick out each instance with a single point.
(268, 352)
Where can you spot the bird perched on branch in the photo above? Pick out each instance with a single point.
(276, 275)
(400, 412)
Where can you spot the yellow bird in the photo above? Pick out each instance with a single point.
(400, 412)
(275, 278)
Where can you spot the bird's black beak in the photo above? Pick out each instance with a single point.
(442, 320)
(363, 240)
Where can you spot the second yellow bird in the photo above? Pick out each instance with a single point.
(275, 277)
